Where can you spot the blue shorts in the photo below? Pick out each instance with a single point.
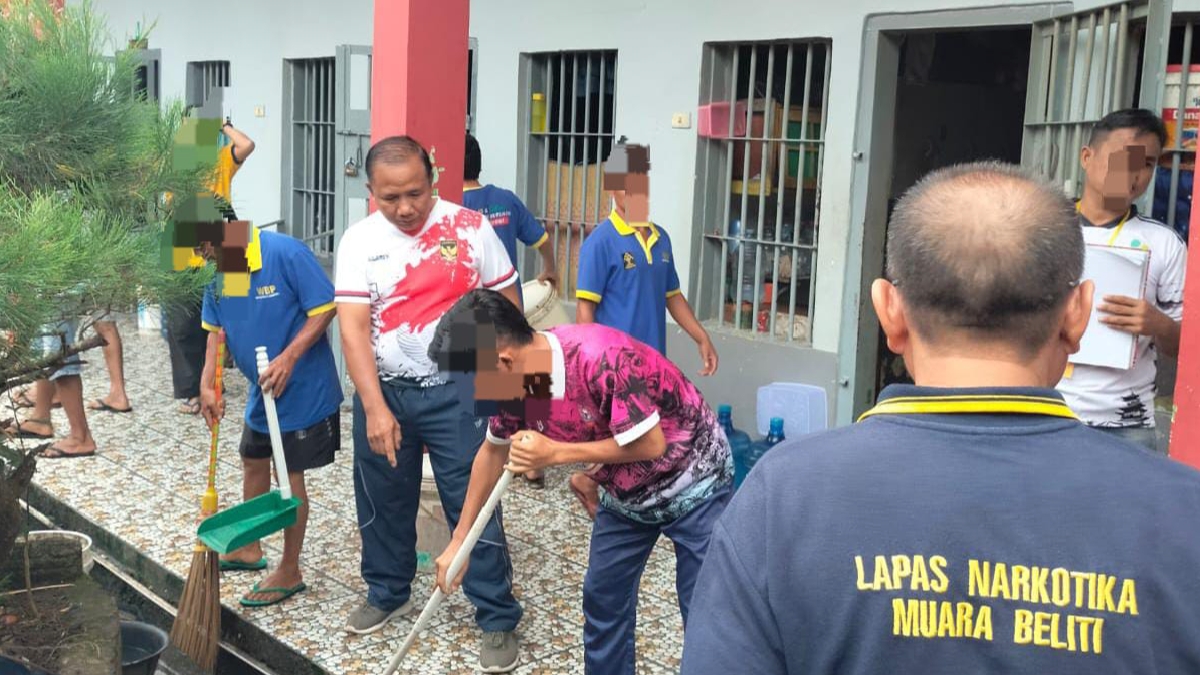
(59, 337)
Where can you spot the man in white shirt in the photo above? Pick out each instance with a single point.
(398, 271)
(1119, 161)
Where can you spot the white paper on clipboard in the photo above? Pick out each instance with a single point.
(1114, 270)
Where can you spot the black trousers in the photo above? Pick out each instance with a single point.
(187, 341)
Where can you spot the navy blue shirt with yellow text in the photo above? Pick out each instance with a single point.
(948, 543)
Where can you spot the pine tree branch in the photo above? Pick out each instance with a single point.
(23, 373)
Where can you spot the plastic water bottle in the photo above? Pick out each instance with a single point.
(759, 448)
(739, 442)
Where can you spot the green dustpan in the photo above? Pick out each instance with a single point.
(264, 515)
(248, 522)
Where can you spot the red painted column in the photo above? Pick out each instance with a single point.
(419, 81)
(1185, 432)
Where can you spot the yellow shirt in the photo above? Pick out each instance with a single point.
(223, 174)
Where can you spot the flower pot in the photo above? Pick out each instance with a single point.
(85, 540)
(144, 43)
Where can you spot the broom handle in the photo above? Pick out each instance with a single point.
(208, 504)
(281, 472)
(456, 565)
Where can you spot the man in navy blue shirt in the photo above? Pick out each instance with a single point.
(970, 523)
(507, 214)
(287, 308)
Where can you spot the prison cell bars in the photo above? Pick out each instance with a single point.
(1177, 150)
(312, 121)
(551, 70)
(724, 68)
(1066, 100)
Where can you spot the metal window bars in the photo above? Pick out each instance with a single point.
(568, 134)
(312, 88)
(1181, 112)
(202, 78)
(761, 128)
(1081, 68)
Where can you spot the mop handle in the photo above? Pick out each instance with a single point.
(209, 501)
(281, 472)
(456, 565)
(212, 453)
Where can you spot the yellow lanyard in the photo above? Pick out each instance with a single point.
(1117, 231)
(998, 404)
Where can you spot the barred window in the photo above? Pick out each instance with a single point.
(569, 99)
(761, 141)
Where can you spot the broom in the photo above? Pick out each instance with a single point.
(197, 629)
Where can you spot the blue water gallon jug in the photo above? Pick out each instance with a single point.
(739, 443)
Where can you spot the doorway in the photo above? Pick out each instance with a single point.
(960, 97)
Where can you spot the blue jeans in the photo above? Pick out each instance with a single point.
(1147, 437)
(387, 501)
(620, 548)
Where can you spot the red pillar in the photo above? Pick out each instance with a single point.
(1185, 433)
(419, 81)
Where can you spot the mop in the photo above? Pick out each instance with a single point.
(456, 565)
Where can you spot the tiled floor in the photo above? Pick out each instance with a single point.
(145, 487)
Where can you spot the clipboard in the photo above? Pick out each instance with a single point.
(1115, 270)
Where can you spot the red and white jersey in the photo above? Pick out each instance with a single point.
(411, 281)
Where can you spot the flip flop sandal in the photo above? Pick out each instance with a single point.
(189, 408)
(98, 405)
(15, 431)
(284, 594)
(538, 483)
(239, 566)
(54, 452)
(22, 400)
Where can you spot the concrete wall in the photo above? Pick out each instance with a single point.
(660, 47)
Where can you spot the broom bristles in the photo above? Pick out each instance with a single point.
(197, 629)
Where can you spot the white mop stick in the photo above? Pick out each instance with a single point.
(281, 472)
(456, 565)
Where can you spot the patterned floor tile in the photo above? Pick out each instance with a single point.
(145, 487)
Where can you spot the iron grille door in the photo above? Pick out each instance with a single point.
(1082, 66)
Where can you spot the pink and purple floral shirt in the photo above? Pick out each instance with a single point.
(604, 384)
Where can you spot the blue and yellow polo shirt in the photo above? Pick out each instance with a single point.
(287, 286)
(629, 276)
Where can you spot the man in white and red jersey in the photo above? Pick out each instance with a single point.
(398, 271)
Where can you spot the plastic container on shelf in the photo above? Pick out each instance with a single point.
(802, 406)
(712, 119)
(537, 114)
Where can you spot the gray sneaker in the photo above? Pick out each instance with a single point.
(368, 618)
(498, 652)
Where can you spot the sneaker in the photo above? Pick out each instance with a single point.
(498, 652)
(369, 618)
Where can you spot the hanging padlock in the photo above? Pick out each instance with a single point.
(351, 167)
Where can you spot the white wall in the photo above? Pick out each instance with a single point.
(254, 36)
(659, 44)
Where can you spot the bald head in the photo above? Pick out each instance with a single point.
(985, 251)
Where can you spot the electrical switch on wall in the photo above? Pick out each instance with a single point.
(681, 121)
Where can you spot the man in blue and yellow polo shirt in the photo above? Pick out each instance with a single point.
(970, 523)
(627, 277)
(281, 300)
